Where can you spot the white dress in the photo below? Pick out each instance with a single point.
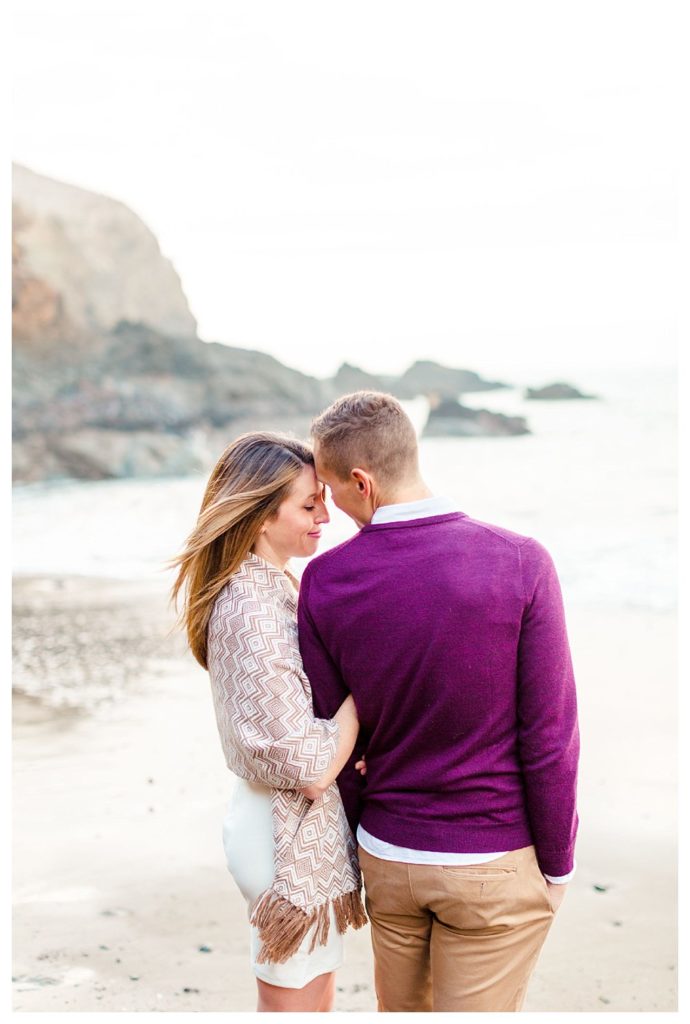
(248, 842)
(248, 826)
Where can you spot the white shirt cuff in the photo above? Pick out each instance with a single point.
(561, 879)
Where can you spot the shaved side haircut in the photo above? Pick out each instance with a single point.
(371, 430)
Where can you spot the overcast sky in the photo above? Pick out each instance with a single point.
(488, 184)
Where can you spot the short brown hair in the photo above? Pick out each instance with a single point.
(368, 429)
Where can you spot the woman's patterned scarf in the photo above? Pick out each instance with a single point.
(269, 734)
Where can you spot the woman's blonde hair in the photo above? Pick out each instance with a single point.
(251, 479)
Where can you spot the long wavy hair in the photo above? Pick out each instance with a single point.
(251, 479)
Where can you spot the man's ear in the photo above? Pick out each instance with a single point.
(362, 480)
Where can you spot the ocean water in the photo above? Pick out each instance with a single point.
(595, 481)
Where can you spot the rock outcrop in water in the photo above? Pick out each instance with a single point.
(441, 385)
(451, 419)
(429, 378)
(556, 391)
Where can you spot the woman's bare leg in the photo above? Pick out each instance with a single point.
(329, 994)
(316, 997)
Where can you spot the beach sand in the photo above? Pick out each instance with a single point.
(122, 901)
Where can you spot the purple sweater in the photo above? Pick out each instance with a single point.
(451, 636)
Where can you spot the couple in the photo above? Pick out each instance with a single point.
(411, 712)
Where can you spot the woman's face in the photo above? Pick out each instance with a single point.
(295, 529)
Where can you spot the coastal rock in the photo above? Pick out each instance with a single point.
(95, 257)
(448, 418)
(98, 393)
(37, 309)
(556, 391)
(109, 376)
(149, 405)
(351, 378)
(97, 454)
(429, 378)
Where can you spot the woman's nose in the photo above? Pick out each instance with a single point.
(322, 515)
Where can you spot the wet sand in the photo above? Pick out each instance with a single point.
(122, 901)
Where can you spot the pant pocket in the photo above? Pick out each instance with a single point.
(540, 884)
(479, 872)
(547, 893)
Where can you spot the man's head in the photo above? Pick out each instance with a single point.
(365, 451)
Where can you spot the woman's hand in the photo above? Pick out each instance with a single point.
(313, 792)
(348, 723)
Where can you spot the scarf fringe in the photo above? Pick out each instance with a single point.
(283, 926)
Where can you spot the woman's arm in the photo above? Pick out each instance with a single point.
(348, 729)
(262, 700)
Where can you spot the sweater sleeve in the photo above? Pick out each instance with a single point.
(265, 711)
(329, 690)
(548, 735)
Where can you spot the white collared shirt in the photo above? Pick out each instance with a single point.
(424, 507)
(420, 509)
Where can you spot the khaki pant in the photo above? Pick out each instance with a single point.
(455, 938)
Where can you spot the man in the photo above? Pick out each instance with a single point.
(450, 634)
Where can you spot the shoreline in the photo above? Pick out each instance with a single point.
(122, 900)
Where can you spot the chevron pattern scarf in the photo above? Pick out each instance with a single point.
(263, 707)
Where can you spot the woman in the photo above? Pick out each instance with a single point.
(286, 837)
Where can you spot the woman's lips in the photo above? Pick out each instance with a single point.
(315, 534)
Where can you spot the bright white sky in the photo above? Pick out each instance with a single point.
(491, 184)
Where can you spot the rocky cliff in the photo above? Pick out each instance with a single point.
(96, 256)
(109, 376)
